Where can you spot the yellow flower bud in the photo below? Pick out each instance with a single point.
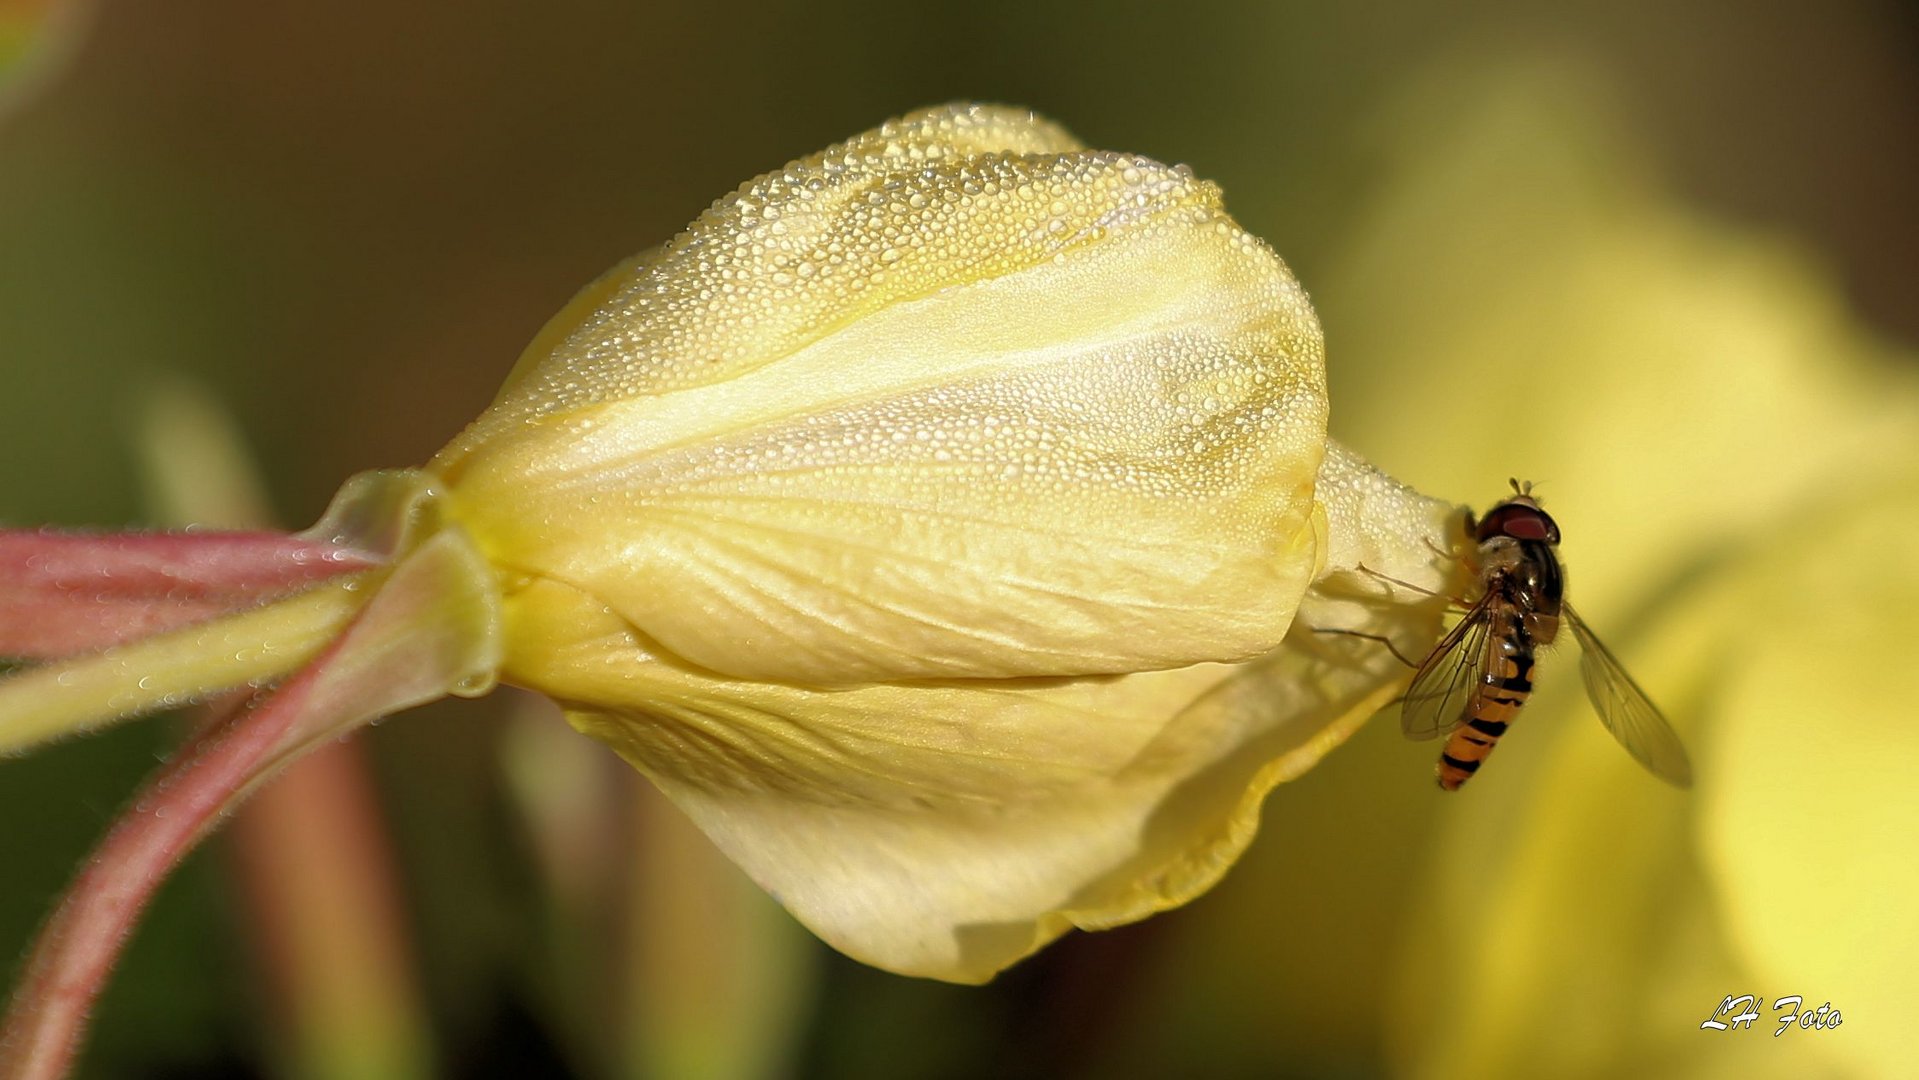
(928, 521)
(954, 399)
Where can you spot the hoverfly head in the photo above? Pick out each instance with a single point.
(1518, 517)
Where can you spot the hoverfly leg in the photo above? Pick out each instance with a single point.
(1381, 638)
(1420, 589)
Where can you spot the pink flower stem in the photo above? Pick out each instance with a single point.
(67, 593)
(81, 942)
(181, 565)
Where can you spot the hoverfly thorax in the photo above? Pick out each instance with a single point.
(1518, 565)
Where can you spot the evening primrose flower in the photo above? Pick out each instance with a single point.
(837, 430)
(943, 521)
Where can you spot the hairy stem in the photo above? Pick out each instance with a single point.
(179, 565)
(62, 594)
(78, 946)
(431, 627)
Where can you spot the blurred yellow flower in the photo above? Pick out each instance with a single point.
(1730, 457)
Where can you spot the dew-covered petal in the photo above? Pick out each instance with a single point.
(919, 415)
(771, 266)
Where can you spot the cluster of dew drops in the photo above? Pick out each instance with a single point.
(897, 214)
(889, 216)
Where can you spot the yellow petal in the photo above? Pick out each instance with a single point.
(948, 828)
(947, 401)
(717, 301)
(1810, 812)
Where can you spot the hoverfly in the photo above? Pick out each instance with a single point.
(1474, 682)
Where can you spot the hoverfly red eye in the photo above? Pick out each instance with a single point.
(1519, 520)
(1530, 527)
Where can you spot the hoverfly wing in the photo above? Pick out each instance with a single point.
(1444, 686)
(1626, 710)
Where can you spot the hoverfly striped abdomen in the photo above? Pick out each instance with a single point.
(1491, 709)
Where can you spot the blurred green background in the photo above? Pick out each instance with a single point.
(1656, 256)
